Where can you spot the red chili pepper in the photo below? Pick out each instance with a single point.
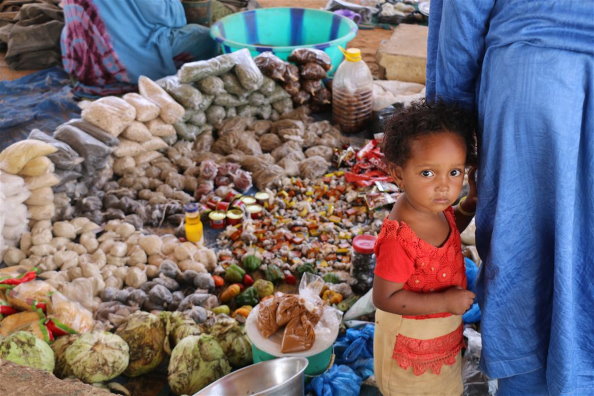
(290, 278)
(248, 280)
(7, 310)
(41, 306)
(55, 330)
(28, 276)
(218, 280)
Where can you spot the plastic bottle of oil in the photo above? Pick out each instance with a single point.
(352, 93)
(193, 224)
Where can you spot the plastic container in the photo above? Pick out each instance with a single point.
(352, 93)
(281, 30)
(363, 262)
(319, 356)
(193, 224)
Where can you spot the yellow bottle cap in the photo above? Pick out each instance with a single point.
(351, 54)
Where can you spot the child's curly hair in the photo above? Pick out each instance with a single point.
(423, 118)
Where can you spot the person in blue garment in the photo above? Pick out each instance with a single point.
(527, 67)
(107, 44)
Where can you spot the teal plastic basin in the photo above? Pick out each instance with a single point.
(281, 30)
(318, 363)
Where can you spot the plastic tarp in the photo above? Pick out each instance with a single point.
(41, 100)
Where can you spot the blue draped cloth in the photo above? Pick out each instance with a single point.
(527, 67)
(108, 44)
(41, 100)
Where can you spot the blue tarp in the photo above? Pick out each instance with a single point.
(40, 100)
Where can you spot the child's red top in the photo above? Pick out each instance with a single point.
(403, 257)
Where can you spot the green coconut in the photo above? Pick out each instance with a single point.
(97, 356)
(25, 349)
(145, 335)
(196, 361)
(233, 339)
(184, 329)
(62, 369)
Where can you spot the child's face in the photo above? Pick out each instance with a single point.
(432, 177)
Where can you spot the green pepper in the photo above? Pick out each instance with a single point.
(251, 263)
(345, 305)
(248, 297)
(331, 278)
(264, 288)
(273, 273)
(234, 274)
(307, 267)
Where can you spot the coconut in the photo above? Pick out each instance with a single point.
(62, 369)
(233, 339)
(25, 349)
(145, 335)
(183, 329)
(98, 356)
(196, 361)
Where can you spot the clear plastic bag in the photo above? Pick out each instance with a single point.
(65, 157)
(112, 114)
(310, 309)
(186, 94)
(195, 71)
(25, 295)
(248, 74)
(302, 56)
(92, 150)
(17, 155)
(94, 131)
(70, 313)
(271, 65)
(475, 382)
(145, 109)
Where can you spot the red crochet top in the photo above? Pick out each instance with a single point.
(403, 257)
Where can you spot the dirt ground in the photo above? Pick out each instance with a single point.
(367, 40)
(17, 381)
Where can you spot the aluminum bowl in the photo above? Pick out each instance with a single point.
(278, 377)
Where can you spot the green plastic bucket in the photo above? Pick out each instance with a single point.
(281, 30)
(318, 363)
(198, 11)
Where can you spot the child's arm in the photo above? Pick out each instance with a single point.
(391, 297)
(464, 211)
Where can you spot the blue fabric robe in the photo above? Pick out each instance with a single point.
(108, 44)
(527, 67)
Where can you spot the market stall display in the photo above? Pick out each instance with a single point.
(164, 229)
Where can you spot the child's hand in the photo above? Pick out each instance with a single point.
(458, 300)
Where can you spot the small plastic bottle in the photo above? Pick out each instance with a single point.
(363, 262)
(352, 93)
(193, 223)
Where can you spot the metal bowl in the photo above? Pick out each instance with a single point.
(278, 377)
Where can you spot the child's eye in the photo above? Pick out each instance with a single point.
(456, 172)
(426, 173)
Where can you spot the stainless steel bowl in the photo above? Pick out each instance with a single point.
(278, 377)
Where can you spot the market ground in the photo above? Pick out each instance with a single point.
(367, 40)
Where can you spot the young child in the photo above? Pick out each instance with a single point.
(419, 288)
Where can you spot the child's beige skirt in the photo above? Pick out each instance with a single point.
(392, 379)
